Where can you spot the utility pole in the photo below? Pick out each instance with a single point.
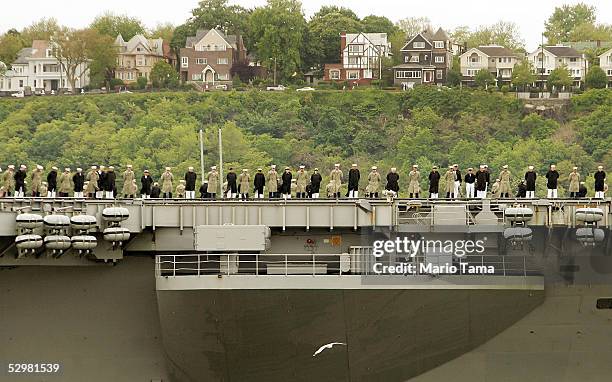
(274, 71)
(542, 70)
(220, 161)
(202, 152)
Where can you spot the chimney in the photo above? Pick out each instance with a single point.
(342, 42)
(599, 43)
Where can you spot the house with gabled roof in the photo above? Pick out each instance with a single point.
(208, 57)
(361, 57)
(498, 60)
(605, 63)
(37, 69)
(136, 57)
(426, 59)
(551, 57)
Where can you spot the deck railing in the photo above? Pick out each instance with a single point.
(338, 265)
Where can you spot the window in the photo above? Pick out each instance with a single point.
(20, 83)
(352, 75)
(439, 74)
(222, 61)
(184, 62)
(610, 72)
(439, 59)
(472, 72)
(474, 58)
(201, 61)
(139, 62)
(355, 48)
(196, 76)
(35, 69)
(418, 45)
(334, 74)
(573, 59)
(223, 77)
(34, 84)
(49, 53)
(414, 58)
(604, 303)
(353, 60)
(408, 74)
(439, 44)
(138, 49)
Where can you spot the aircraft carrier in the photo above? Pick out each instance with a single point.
(227, 290)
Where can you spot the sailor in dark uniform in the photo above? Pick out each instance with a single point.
(52, 182)
(393, 181)
(600, 182)
(315, 183)
(530, 183)
(286, 183)
(552, 177)
(353, 182)
(259, 182)
(232, 188)
(470, 183)
(482, 182)
(434, 182)
(146, 182)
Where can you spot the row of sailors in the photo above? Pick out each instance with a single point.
(100, 182)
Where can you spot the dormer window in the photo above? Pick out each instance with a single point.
(49, 53)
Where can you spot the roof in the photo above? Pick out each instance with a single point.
(39, 49)
(562, 51)
(413, 66)
(22, 56)
(153, 46)
(495, 51)
(440, 35)
(374, 38)
(200, 33)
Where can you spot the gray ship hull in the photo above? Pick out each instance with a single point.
(271, 335)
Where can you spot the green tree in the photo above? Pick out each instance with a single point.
(277, 31)
(162, 30)
(378, 24)
(72, 49)
(10, 44)
(565, 19)
(40, 30)
(112, 25)
(413, 25)
(559, 78)
(163, 75)
(141, 82)
(324, 35)
(596, 78)
(502, 33)
(219, 14)
(484, 78)
(103, 55)
(454, 76)
(522, 75)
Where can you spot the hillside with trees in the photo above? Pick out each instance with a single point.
(425, 126)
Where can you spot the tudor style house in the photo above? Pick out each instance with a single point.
(361, 56)
(605, 63)
(37, 69)
(546, 59)
(426, 59)
(136, 57)
(499, 61)
(207, 57)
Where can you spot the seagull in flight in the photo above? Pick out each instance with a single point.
(327, 346)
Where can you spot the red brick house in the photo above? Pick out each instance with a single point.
(207, 57)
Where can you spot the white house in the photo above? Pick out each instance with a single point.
(548, 58)
(361, 55)
(605, 62)
(498, 60)
(37, 69)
